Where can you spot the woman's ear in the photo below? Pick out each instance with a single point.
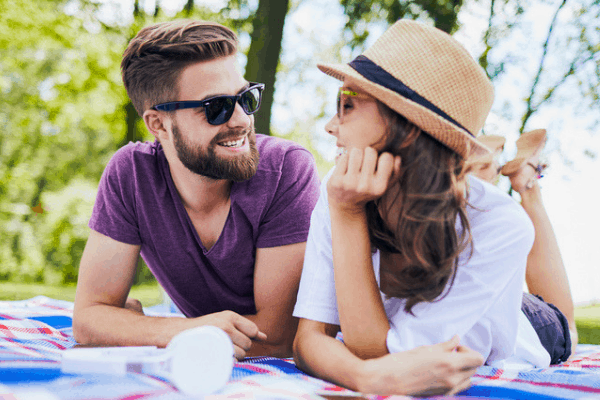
(156, 122)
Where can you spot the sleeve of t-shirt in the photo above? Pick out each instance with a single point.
(288, 216)
(114, 210)
(316, 298)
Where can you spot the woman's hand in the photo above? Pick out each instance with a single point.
(359, 177)
(444, 368)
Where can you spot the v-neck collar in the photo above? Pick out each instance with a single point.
(180, 208)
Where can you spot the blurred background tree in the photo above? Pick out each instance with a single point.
(65, 112)
(61, 120)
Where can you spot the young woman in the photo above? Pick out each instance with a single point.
(405, 251)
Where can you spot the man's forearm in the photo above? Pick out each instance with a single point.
(276, 278)
(104, 325)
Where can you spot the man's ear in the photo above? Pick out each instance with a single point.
(157, 123)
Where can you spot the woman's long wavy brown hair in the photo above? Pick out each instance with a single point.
(431, 199)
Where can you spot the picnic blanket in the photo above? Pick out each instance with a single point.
(34, 333)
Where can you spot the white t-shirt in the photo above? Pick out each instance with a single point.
(484, 304)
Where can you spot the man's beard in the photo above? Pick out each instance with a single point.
(206, 163)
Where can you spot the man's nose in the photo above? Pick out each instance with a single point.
(239, 119)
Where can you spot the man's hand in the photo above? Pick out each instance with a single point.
(241, 330)
(134, 305)
(359, 177)
(444, 368)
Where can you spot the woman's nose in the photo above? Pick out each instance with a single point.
(331, 127)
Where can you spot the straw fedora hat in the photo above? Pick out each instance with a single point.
(428, 77)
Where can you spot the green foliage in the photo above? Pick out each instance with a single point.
(64, 112)
(443, 13)
(61, 106)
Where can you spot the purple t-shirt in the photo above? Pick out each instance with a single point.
(137, 203)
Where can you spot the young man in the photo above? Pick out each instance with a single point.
(223, 233)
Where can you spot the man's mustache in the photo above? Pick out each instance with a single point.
(232, 134)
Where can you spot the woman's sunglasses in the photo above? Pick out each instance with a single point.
(342, 93)
(339, 104)
(219, 109)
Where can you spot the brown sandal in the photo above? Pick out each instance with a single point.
(538, 168)
(527, 145)
(494, 143)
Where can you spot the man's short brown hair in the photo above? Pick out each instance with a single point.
(156, 56)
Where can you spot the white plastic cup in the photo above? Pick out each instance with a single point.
(202, 360)
(198, 361)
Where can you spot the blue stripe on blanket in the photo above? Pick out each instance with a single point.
(494, 392)
(280, 364)
(56, 321)
(29, 375)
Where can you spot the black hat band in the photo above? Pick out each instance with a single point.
(378, 75)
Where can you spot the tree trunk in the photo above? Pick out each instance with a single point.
(189, 7)
(131, 118)
(263, 56)
(131, 115)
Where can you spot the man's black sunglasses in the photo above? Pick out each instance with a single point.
(219, 109)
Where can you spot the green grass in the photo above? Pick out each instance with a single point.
(149, 295)
(587, 318)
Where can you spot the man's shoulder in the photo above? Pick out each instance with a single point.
(277, 153)
(132, 150)
(285, 169)
(134, 157)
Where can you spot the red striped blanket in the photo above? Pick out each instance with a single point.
(33, 334)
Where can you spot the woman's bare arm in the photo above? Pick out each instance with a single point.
(443, 368)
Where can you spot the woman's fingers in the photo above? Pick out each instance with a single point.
(355, 159)
(369, 161)
(341, 164)
(464, 385)
(361, 175)
(471, 359)
(451, 344)
(383, 175)
(397, 165)
(367, 177)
